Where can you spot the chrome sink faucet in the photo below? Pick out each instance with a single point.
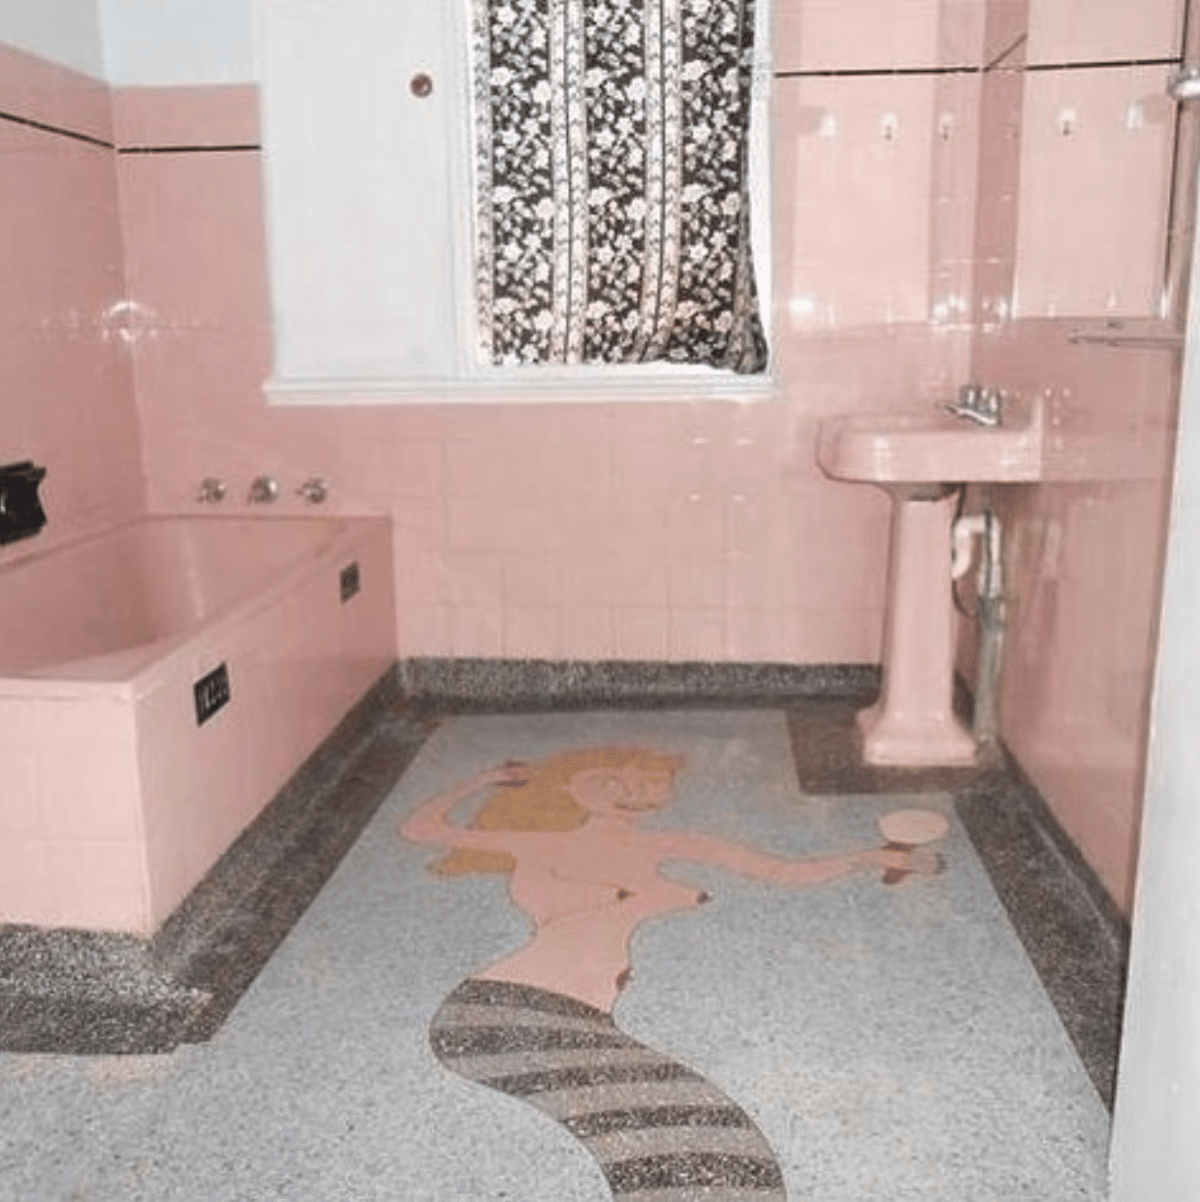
(978, 404)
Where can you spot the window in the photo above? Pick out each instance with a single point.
(369, 192)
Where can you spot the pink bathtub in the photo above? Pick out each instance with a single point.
(158, 684)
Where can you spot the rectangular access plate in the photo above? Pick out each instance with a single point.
(212, 693)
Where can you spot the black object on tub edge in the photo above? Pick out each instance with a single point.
(21, 512)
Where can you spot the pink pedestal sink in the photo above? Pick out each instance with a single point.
(919, 459)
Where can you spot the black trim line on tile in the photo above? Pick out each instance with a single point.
(884, 72)
(873, 72)
(1101, 64)
(232, 148)
(1007, 52)
(57, 130)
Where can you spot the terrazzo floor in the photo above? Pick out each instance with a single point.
(888, 1041)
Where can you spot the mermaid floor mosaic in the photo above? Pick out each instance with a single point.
(577, 957)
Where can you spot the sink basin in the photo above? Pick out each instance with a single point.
(932, 448)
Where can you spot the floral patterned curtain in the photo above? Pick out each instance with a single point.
(612, 200)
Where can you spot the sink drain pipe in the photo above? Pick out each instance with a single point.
(990, 615)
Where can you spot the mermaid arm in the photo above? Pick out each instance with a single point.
(737, 857)
(429, 823)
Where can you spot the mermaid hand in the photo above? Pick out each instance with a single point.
(899, 862)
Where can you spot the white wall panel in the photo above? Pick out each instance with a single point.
(63, 31)
(166, 42)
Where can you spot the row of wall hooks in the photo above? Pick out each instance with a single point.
(1136, 117)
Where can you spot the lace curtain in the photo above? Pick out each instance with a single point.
(612, 197)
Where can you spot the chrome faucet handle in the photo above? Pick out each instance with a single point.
(314, 490)
(978, 404)
(211, 490)
(972, 414)
(991, 405)
(263, 490)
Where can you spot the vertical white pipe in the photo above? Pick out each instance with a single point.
(1156, 1124)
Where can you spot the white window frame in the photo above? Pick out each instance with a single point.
(336, 311)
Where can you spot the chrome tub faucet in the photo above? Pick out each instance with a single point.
(264, 490)
(211, 490)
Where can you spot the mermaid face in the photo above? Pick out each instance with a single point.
(628, 791)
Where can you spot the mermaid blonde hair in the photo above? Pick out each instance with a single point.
(542, 802)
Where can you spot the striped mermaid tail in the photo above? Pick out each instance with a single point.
(660, 1131)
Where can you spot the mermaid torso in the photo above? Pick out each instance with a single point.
(616, 879)
(586, 892)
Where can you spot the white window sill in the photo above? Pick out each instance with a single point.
(532, 386)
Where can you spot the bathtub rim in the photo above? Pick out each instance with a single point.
(151, 660)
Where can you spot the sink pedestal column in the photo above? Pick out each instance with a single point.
(913, 721)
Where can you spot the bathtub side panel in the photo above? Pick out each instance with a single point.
(71, 835)
(295, 668)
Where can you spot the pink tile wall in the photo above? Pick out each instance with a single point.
(1071, 224)
(1005, 32)
(68, 397)
(1084, 555)
(876, 176)
(855, 161)
(591, 531)
(1094, 195)
(1089, 31)
(37, 90)
(876, 35)
(219, 114)
(998, 187)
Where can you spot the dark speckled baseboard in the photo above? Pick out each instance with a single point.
(87, 993)
(828, 752)
(454, 685)
(1072, 931)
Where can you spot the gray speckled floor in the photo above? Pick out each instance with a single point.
(891, 1043)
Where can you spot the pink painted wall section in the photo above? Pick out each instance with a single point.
(68, 395)
(587, 531)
